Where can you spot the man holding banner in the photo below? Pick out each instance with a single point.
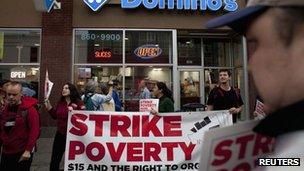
(275, 37)
(225, 97)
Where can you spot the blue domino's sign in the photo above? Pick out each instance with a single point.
(95, 4)
(49, 4)
(203, 5)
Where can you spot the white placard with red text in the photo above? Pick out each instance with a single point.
(234, 148)
(146, 105)
(137, 141)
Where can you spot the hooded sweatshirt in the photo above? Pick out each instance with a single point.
(19, 131)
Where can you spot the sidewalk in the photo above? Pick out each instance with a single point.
(42, 158)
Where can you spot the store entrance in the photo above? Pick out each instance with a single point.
(191, 89)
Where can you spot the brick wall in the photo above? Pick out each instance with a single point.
(56, 52)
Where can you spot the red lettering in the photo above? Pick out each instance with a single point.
(169, 146)
(152, 150)
(99, 119)
(116, 154)
(148, 126)
(151, 52)
(222, 150)
(100, 151)
(135, 126)
(187, 150)
(76, 147)
(79, 128)
(243, 141)
(96, 54)
(133, 150)
(103, 54)
(122, 128)
(263, 143)
(171, 122)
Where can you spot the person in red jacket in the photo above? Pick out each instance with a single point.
(70, 100)
(19, 129)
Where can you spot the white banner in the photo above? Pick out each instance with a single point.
(234, 148)
(137, 141)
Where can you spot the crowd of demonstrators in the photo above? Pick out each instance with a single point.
(274, 30)
(19, 128)
(166, 102)
(93, 100)
(224, 96)
(69, 100)
(144, 91)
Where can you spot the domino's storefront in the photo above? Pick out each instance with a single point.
(123, 40)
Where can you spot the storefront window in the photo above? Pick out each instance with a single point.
(148, 47)
(19, 58)
(237, 51)
(189, 51)
(98, 74)
(217, 52)
(190, 87)
(98, 46)
(134, 75)
(27, 75)
(19, 46)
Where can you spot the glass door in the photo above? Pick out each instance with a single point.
(190, 87)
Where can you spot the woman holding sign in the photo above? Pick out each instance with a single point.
(166, 103)
(70, 100)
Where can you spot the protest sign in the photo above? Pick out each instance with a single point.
(137, 141)
(234, 148)
(48, 85)
(146, 105)
(259, 110)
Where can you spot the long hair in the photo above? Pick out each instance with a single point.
(162, 86)
(74, 94)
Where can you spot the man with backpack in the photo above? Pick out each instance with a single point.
(225, 97)
(19, 129)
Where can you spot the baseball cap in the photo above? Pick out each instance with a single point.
(238, 20)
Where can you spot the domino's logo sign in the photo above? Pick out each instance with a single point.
(49, 4)
(95, 4)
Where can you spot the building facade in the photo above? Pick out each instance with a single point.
(156, 41)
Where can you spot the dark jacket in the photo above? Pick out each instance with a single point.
(165, 105)
(61, 113)
(24, 134)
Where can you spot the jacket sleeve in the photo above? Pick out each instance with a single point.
(169, 105)
(1, 128)
(34, 128)
(80, 105)
(53, 113)
(210, 100)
